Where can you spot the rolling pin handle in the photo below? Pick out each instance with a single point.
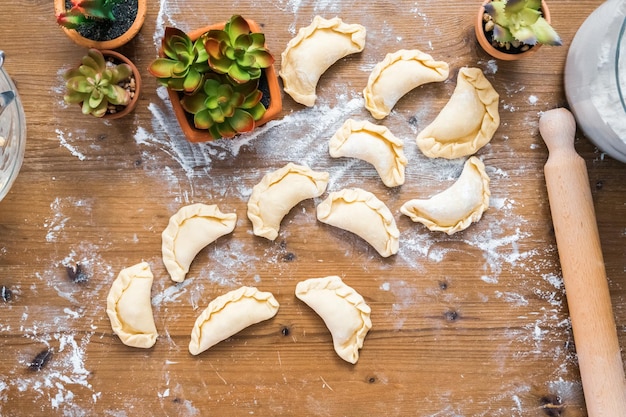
(584, 275)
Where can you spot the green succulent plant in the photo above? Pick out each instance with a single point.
(519, 21)
(184, 64)
(95, 84)
(225, 108)
(87, 11)
(236, 51)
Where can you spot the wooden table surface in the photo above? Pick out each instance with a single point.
(473, 324)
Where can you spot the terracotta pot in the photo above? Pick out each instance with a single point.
(274, 108)
(133, 102)
(496, 53)
(59, 7)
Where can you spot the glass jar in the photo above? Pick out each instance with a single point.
(595, 78)
(12, 135)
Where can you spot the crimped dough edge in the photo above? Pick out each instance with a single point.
(335, 284)
(255, 211)
(396, 145)
(121, 283)
(432, 148)
(220, 302)
(380, 112)
(351, 195)
(357, 35)
(474, 216)
(211, 212)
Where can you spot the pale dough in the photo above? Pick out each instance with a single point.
(396, 75)
(467, 122)
(278, 192)
(189, 230)
(455, 208)
(314, 49)
(229, 314)
(362, 213)
(374, 144)
(129, 307)
(343, 310)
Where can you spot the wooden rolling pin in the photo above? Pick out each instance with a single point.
(584, 275)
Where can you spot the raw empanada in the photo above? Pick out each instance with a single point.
(229, 314)
(278, 192)
(129, 308)
(455, 208)
(374, 144)
(192, 228)
(467, 122)
(343, 310)
(396, 75)
(360, 212)
(314, 49)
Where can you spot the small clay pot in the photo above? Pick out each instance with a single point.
(274, 108)
(497, 53)
(119, 58)
(76, 37)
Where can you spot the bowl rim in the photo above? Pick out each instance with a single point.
(16, 156)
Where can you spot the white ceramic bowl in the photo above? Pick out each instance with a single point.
(12, 136)
(595, 78)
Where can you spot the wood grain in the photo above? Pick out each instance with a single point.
(474, 324)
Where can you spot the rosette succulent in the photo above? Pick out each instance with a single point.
(184, 64)
(225, 108)
(236, 51)
(519, 22)
(87, 11)
(96, 84)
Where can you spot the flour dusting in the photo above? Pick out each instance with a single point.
(192, 172)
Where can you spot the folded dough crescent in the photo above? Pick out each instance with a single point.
(314, 49)
(374, 144)
(455, 208)
(189, 230)
(467, 122)
(362, 213)
(278, 192)
(229, 314)
(396, 75)
(343, 310)
(129, 307)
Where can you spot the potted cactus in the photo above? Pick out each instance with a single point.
(220, 79)
(512, 29)
(101, 24)
(106, 84)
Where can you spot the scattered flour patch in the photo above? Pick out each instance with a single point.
(385, 286)
(555, 280)
(491, 66)
(489, 280)
(58, 220)
(167, 9)
(171, 293)
(65, 376)
(63, 140)
(532, 99)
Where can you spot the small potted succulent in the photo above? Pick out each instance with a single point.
(106, 84)
(100, 24)
(511, 29)
(220, 79)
